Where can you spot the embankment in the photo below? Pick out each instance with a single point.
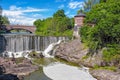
(74, 51)
(11, 70)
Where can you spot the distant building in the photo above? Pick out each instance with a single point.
(79, 19)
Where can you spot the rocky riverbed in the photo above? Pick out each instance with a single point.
(74, 51)
(11, 70)
(101, 74)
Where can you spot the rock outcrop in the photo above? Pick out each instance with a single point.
(73, 51)
(70, 51)
(105, 74)
(10, 69)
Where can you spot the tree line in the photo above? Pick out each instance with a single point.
(3, 21)
(57, 25)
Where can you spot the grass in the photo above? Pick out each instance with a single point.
(85, 57)
(66, 62)
(19, 60)
(112, 68)
(44, 61)
(47, 61)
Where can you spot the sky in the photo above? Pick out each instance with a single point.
(25, 12)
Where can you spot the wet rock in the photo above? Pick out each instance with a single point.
(2, 69)
(36, 55)
(23, 68)
(105, 75)
(70, 51)
(73, 51)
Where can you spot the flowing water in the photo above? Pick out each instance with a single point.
(52, 69)
(18, 44)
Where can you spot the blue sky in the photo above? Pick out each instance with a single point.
(25, 12)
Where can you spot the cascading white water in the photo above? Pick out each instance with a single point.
(16, 44)
(47, 51)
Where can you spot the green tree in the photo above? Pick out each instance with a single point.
(43, 26)
(4, 20)
(61, 22)
(59, 13)
(80, 11)
(38, 23)
(106, 33)
(58, 25)
(103, 1)
(88, 4)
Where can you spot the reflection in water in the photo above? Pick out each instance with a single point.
(45, 61)
(38, 75)
(52, 69)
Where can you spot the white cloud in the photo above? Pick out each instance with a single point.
(13, 7)
(76, 4)
(27, 9)
(22, 20)
(19, 15)
(61, 6)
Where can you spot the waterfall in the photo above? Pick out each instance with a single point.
(51, 47)
(19, 45)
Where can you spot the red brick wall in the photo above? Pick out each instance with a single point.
(79, 21)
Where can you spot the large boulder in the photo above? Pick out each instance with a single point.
(101, 74)
(11, 70)
(74, 51)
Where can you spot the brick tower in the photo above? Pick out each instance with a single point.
(78, 23)
(79, 19)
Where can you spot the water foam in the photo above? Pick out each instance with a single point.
(61, 71)
(51, 47)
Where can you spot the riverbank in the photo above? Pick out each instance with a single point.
(12, 70)
(75, 52)
(102, 74)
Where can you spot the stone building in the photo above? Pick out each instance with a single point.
(79, 21)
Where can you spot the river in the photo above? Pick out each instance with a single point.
(50, 68)
(53, 69)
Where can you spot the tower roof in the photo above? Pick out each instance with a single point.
(80, 15)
